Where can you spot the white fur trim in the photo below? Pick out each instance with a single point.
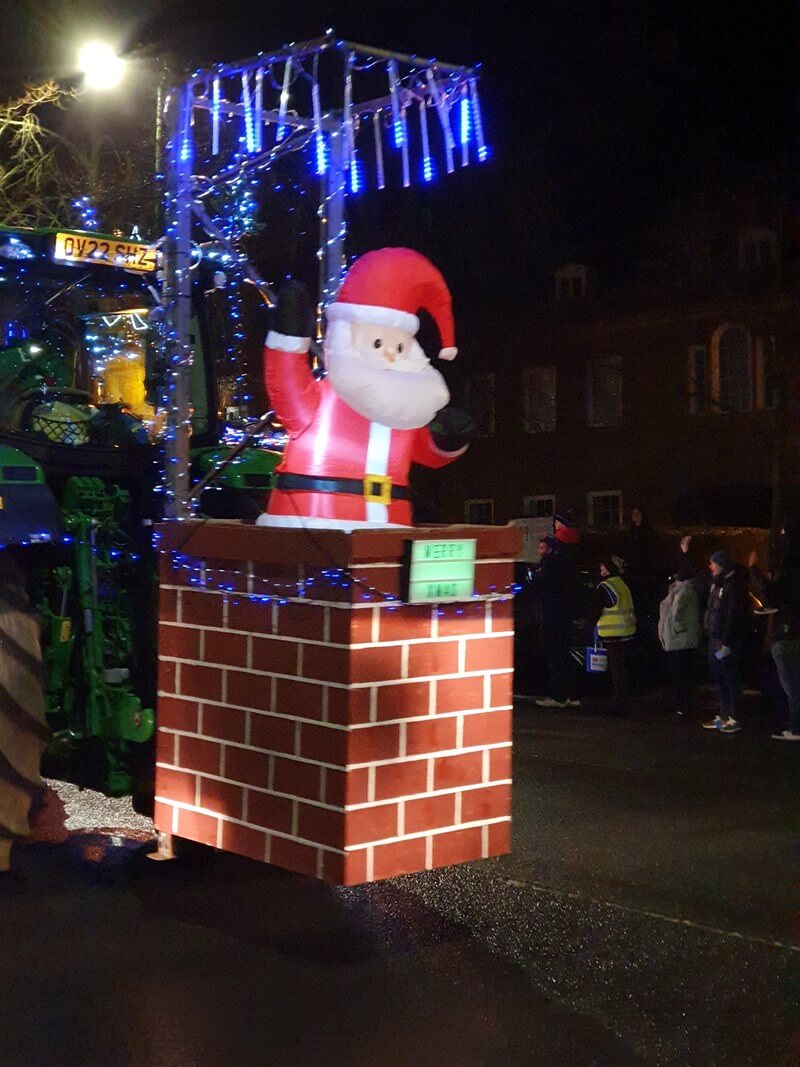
(298, 522)
(378, 445)
(376, 316)
(448, 353)
(400, 399)
(281, 343)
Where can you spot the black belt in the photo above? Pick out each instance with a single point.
(376, 489)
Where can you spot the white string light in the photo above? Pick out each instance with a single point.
(321, 148)
(404, 149)
(229, 186)
(428, 173)
(258, 108)
(398, 119)
(284, 100)
(249, 127)
(466, 125)
(215, 93)
(378, 137)
(483, 151)
(444, 119)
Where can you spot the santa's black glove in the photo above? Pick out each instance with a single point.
(451, 429)
(294, 315)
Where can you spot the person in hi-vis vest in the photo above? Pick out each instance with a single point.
(616, 626)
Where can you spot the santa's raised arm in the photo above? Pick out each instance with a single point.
(354, 434)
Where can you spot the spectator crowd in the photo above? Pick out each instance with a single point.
(644, 623)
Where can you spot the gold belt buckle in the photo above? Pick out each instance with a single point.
(377, 489)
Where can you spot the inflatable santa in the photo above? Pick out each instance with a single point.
(354, 434)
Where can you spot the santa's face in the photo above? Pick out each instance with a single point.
(383, 374)
(376, 343)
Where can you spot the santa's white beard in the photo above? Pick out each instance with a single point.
(402, 399)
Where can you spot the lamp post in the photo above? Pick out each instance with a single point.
(102, 71)
(101, 67)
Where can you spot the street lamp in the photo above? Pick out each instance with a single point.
(100, 65)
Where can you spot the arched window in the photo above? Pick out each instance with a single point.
(732, 350)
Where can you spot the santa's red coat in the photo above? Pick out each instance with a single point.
(327, 439)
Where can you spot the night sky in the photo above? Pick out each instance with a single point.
(605, 117)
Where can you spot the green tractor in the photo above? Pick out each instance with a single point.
(79, 563)
(29, 513)
(89, 630)
(81, 463)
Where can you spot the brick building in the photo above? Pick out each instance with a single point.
(666, 389)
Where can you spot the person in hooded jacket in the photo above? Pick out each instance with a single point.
(781, 592)
(726, 623)
(679, 633)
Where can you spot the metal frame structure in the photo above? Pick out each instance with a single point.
(194, 114)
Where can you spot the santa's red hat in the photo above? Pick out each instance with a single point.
(388, 287)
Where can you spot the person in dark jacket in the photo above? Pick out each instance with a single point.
(553, 587)
(781, 593)
(639, 555)
(566, 536)
(639, 552)
(726, 625)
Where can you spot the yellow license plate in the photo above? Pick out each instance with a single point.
(84, 248)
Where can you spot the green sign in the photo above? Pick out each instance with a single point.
(441, 570)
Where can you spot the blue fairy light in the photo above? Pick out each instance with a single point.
(428, 167)
(356, 176)
(320, 153)
(247, 105)
(398, 125)
(483, 150)
(465, 120)
(86, 213)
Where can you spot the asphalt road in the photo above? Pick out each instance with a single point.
(648, 914)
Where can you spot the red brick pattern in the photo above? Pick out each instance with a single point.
(345, 738)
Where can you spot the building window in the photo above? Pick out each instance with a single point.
(758, 248)
(539, 399)
(538, 507)
(571, 282)
(604, 391)
(480, 403)
(698, 380)
(605, 509)
(732, 386)
(767, 388)
(479, 512)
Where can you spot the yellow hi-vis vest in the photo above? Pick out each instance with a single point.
(619, 620)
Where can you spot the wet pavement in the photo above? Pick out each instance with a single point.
(648, 914)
